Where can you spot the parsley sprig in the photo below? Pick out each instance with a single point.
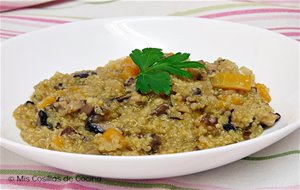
(155, 69)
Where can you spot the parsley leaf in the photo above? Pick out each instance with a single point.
(155, 69)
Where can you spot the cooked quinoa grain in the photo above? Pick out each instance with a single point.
(100, 112)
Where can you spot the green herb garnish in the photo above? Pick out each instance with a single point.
(155, 69)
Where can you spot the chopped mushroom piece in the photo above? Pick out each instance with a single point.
(161, 109)
(84, 74)
(42, 119)
(196, 91)
(129, 82)
(123, 98)
(269, 119)
(29, 102)
(210, 120)
(87, 109)
(95, 127)
(68, 131)
(155, 143)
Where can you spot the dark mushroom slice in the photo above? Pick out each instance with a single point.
(246, 135)
(42, 119)
(175, 118)
(161, 109)
(230, 116)
(59, 86)
(129, 81)
(269, 120)
(95, 127)
(101, 110)
(58, 99)
(155, 143)
(93, 123)
(199, 76)
(95, 118)
(196, 148)
(278, 117)
(58, 125)
(196, 91)
(86, 108)
(28, 103)
(254, 89)
(122, 98)
(68, 131)
(229, 127)
(84, 74)
(210, 120)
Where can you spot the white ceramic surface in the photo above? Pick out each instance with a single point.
(32, 57)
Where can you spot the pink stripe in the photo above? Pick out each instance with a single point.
(285, 28)
(4, 37)
(35, 19)
(27, 24)
(9, 7)
(47, 185)
(12, 31)
(291, 33)
(7, 34)
(262, 18)
(250, 11)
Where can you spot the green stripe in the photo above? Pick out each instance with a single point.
(103, 181)
(272, 156)
(58, 16)
(143, 185)
(223, 6)
(215, 7)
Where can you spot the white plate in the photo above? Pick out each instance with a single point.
(32, 57)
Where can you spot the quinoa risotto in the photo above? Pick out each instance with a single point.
(100, 112)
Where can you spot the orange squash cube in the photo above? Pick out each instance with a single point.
(263, 92)
(232, 81)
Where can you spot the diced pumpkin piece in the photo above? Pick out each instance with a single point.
(236, 100)
(263, 92)
(46, 102)
(113, 135)
(58, 142)
(130, 69)
(232, 81)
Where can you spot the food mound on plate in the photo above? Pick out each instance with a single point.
(147, 103)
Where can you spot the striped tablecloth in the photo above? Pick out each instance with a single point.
(276, 167)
